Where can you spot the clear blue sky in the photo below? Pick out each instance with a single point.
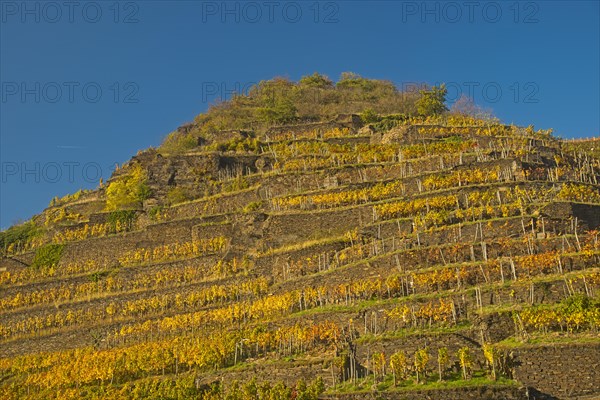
(87, 84)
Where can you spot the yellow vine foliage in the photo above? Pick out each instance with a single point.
(174, 251)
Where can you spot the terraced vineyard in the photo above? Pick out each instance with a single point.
(444, 257)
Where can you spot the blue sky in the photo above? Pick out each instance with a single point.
(87, 84)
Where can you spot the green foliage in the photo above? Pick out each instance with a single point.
(156, 213)
(47, 256)
(121, 220)
(178, 142)
(316, 80)
(177, 195)
(410, 389)
(280, 391)
(491, 355)
(590, 147)
(399, 366)
(420, 362)
(236, 184)
(388, 122)
(443, 360)
(369, 116)
(97, 276)
(280, 100)
(154, 388)
(277, 111)
(579, 193)
(577, 303)
(17, 236)
(378, 364)
(128, 191)
(317, 386)
(465, 360)
(252, 206)
(432, 101)
(350, 80)
(251, 390)
(355, 88)
(275, 101)
(579, 311)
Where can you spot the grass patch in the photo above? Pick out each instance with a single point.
(47, 256)
(18, 236)
(553, 338)
(452, 381)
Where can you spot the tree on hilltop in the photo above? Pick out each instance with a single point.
(432, 101)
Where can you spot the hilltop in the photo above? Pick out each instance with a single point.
(312, 240)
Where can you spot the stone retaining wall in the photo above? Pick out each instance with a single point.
(296, 227)
(562, 371)
(476, 393)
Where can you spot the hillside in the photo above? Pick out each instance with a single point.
(343, 246)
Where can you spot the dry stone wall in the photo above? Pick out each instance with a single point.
(478, 393)
(561, 371)
(228, 202)
(294, 227)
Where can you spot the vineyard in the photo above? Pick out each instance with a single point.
(338, 259)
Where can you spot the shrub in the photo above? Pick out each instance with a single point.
(420, 363)
(277, 111)
(280, 100)
(350, 80)
(128, 191)
(443, 361)
(399, 366)
(388, 122)
(177, 195)
(157, 213)
(178, 142)
(578, 193)
(47, 256)
(239, 144)
(465, 360)
(18, 236)
(432, 101)
(316, 80)
(252, 206)
(121, 220)
(369, 116)
(239, 183)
